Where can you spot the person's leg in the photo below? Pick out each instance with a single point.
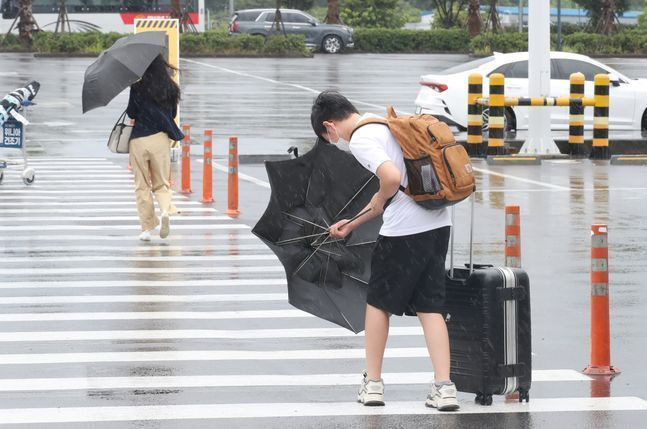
(376, 332)
(437, 339)
(160, 167)
(160, 162)
(144, 198)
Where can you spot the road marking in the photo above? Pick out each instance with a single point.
(96, 299)
(63, 284)
(73, 198)
(139, 270)
(58, 159)
(174, 218)
(63, 182)
(186, 334)
(237, 235)
(74, 227)
(166, 258)
(304, 409)
(58, 202)
(157, 315)
(125, 188)
(43, 176)
(185, 212)
(236, 380)
(278, 82)
(209, 355)
(243, 176)
(234, 248)
(74, 168)
(521, 179)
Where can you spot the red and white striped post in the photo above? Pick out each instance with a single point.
(600, 363)
(207, 173)
(512, 253)
(512, 237)
(186, 160)
(232, 180)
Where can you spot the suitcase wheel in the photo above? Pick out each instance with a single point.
(483, 399)
(524, 396)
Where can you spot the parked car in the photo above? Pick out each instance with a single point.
(444, 94)
(329, 38)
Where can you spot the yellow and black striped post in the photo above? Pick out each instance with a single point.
(576, 116)
(601, 118)
(474, 115)
(496, 121)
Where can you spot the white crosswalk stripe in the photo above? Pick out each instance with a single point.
(89, 312)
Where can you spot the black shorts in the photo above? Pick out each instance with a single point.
(408, 273)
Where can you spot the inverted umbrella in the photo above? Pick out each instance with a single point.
(120, 66)
(327, 277)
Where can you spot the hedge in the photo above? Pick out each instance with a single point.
(629, 41)
(375, 40)
(382, 40)
(485, 44)
(220, 43)
(208, 43)
(10, 43)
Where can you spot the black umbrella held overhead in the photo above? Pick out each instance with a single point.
(119, 66)
(327, 277)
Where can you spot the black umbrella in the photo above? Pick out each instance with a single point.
(119, 66)
(326, 277)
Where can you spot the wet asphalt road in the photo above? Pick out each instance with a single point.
(76, 285)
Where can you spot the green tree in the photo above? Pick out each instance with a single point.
(373, 13)
(448, 12)
(474, 21)
(493, 22)
(603, 14)
(332, 15)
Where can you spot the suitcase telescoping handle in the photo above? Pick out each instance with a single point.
(451, 242)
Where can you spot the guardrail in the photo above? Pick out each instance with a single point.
(497, 102)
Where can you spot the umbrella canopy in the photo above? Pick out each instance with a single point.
(326, 277)
(120, 66)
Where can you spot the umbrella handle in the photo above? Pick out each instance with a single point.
(357, 217)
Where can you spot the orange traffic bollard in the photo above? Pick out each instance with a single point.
(207, 174)
(232, 181)
(186, 160)
(600, 333)
(512, 237)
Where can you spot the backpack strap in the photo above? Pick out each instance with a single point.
(390, 111)
(368, 121)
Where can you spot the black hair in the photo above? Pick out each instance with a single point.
(157, 83)
(329, 105)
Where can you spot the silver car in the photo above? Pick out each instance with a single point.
(329, 38)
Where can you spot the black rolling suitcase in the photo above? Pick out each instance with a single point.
(489, 328)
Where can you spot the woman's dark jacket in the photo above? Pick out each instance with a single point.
(151, 118)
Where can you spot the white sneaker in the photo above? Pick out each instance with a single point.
(371, 392)
(443, 398)
(165, 228)
(145, 236)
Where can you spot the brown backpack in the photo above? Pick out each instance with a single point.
(439, 170)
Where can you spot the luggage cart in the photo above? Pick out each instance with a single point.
(13, 127)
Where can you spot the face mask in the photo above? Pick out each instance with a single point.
(339, 142)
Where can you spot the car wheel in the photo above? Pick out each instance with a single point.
(643, 123)
(331, 44)
(508, 120)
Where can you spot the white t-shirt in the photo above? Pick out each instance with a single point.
(374, 144)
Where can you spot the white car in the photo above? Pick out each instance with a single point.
(444, 94)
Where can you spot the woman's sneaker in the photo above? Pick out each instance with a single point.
(165, 227)
(443, 398)
(145, 235)
(371, 392)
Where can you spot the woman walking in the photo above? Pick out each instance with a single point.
(153, 105)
